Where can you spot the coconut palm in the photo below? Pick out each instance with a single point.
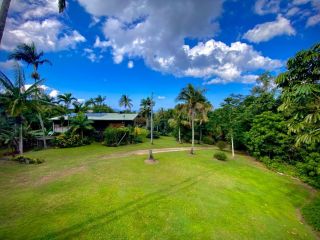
(17, 98)
(66, 99)
(202, 116)
(80, 123)
(79, 107)
(3, 16)
(193, 100)
(145, 109)
(28, 53)
(178, 118)
(125, 102)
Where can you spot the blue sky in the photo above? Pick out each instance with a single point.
(138, 47)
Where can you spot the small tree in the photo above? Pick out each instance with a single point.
(81, 123)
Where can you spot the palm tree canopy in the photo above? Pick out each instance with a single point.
(125, 101)
(80, 122)
(29, 54)
(66, 98)
(15, 96)
(192, 97)
(99, 100)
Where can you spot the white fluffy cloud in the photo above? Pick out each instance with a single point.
(265, 31)
(138, 29)
(161, 97)
(37, 20)
(54, 93)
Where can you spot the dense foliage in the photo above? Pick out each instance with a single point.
(220, 156)
(70, 139)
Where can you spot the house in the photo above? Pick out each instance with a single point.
(100, 121)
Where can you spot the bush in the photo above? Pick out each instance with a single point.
(113, 136)
(221, 145)
(220, 156)
(27, 160)
(155, 135)
(208, 140)
(67, 140)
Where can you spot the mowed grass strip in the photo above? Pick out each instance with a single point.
(181, 197)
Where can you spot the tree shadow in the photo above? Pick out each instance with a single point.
(117, 213)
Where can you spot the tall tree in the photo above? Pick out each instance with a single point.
(66, 99)
(28, 53)
(125, 102)
(178, 118)
(301, 95)
(3, 16)
(193, 99)
(17, 98)
(202, 116)
(145, 109)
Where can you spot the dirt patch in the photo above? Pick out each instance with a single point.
(146, 151)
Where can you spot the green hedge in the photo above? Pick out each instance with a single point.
(220, 156)
(67, 140)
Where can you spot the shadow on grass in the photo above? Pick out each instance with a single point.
(115, 214)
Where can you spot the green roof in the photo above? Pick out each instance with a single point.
(103, 116)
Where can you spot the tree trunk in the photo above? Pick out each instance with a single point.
(232, 146)
(200, 134)
(20, 139)
(179, 134)
(3, 16)
(192, 126)
(81, 134)
(43, 131)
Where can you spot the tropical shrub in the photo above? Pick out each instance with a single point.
(208, 140)
(70, 139)
(221, 145)
(116, 136)
(220, 156)
(309, 169)
(27, 160)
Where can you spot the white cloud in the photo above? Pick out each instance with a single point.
(248, 79)
(130, 64)
(161, 97)
(53, 93)
(101, 44)
(91, 55)
(263, 7)
(37, 21)
(137, 29)
(7, 65)
(81, 100)
(265, 31)
(313, 20)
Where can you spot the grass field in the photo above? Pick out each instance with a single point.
(77, 193)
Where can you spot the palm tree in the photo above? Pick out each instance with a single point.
(145, 109)
(28, 53)
(125, 102)
(79, 107)
(178, 118)
(193, 99)
(81, 123)
(203, 116)
(66, 99)
(3, 16)
(17, 98)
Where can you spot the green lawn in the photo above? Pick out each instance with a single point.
(78, 194)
